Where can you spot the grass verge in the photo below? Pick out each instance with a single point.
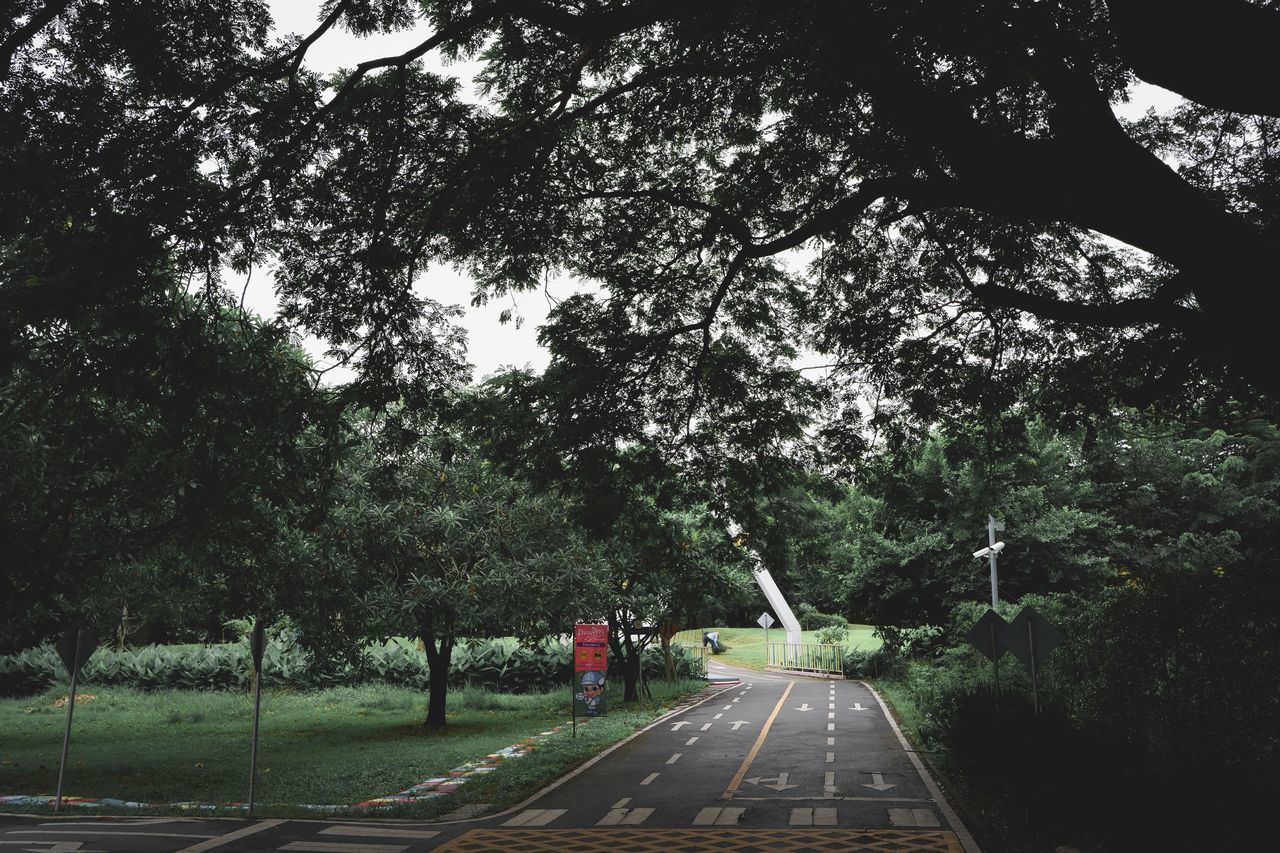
(327, 747)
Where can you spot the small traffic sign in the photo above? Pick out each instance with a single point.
(765, 621)
(985, 635)
(72, 657)
(1029, 630)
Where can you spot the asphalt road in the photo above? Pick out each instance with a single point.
(773, 763)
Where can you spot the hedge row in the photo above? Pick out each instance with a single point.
(494, 665)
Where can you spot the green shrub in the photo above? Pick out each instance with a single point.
(494, 665)
(833, 635)
(811, 619)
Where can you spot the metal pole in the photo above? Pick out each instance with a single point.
(71, 708)
(1031, 642)
(995, 656)
(253, 750)
(991, 542)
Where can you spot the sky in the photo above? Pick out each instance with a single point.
(492, 344)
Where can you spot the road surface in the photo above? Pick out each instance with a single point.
(773, 763)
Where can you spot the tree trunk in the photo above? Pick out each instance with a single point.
(627, 653)
(438, 664)
(668, 662)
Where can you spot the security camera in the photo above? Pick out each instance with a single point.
(993, 549)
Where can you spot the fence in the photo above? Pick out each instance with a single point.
(807, 657)
(697, 656)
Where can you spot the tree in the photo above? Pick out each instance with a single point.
(955, 169)
(202, 446)
(454, 549)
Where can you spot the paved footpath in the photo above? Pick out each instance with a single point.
(774, 763)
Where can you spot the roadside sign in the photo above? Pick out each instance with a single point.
(1029, 630)
(765, 621)
(590, 667)
(74, 654)
(985, 635)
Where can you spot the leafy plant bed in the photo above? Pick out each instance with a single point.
(337, 746)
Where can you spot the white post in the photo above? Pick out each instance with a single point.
(991, 542)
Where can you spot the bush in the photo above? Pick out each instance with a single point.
(811, 620)
(494, 665)
(833, 635)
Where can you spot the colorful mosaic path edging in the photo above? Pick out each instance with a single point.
(437, 786)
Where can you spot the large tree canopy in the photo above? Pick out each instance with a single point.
(975, 211)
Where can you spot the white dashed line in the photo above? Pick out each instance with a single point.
(691, 741)
(718, 716)
(831, 756)
(674, 758)
(649, 778)
(831, 727)
(831, 715)
(705, 726)
(831, 741)
(622, 803)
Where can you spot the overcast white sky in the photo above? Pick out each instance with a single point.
(492, 344)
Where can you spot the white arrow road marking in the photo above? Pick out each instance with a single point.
(737, 724)
(677, 726)
(804, 707)
(857, 706)
(779, 783)
(877, 783)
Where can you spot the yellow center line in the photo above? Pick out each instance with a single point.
(755, 748)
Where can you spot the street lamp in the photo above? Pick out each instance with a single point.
(992, 551)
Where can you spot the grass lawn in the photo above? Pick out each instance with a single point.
(746, 645)
(329, 747)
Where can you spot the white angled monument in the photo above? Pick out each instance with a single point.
(770, 589)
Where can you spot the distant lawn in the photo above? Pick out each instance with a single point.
(329, 747)
(746, 645)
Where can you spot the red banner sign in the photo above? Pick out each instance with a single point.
(590, 647)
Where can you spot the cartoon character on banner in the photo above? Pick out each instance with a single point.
(592, 695)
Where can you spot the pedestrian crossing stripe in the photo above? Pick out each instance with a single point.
(703, 839)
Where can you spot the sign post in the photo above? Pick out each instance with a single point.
(257, 645)
(1031, 637)
(74, 647)
(764, 622)
(985, 637)
(590, 666)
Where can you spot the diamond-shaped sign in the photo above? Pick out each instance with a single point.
(985, 635)
(72, 658)
(1029, 627)
(765, 620)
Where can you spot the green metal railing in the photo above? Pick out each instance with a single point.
(696, 654)
(807, 657)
